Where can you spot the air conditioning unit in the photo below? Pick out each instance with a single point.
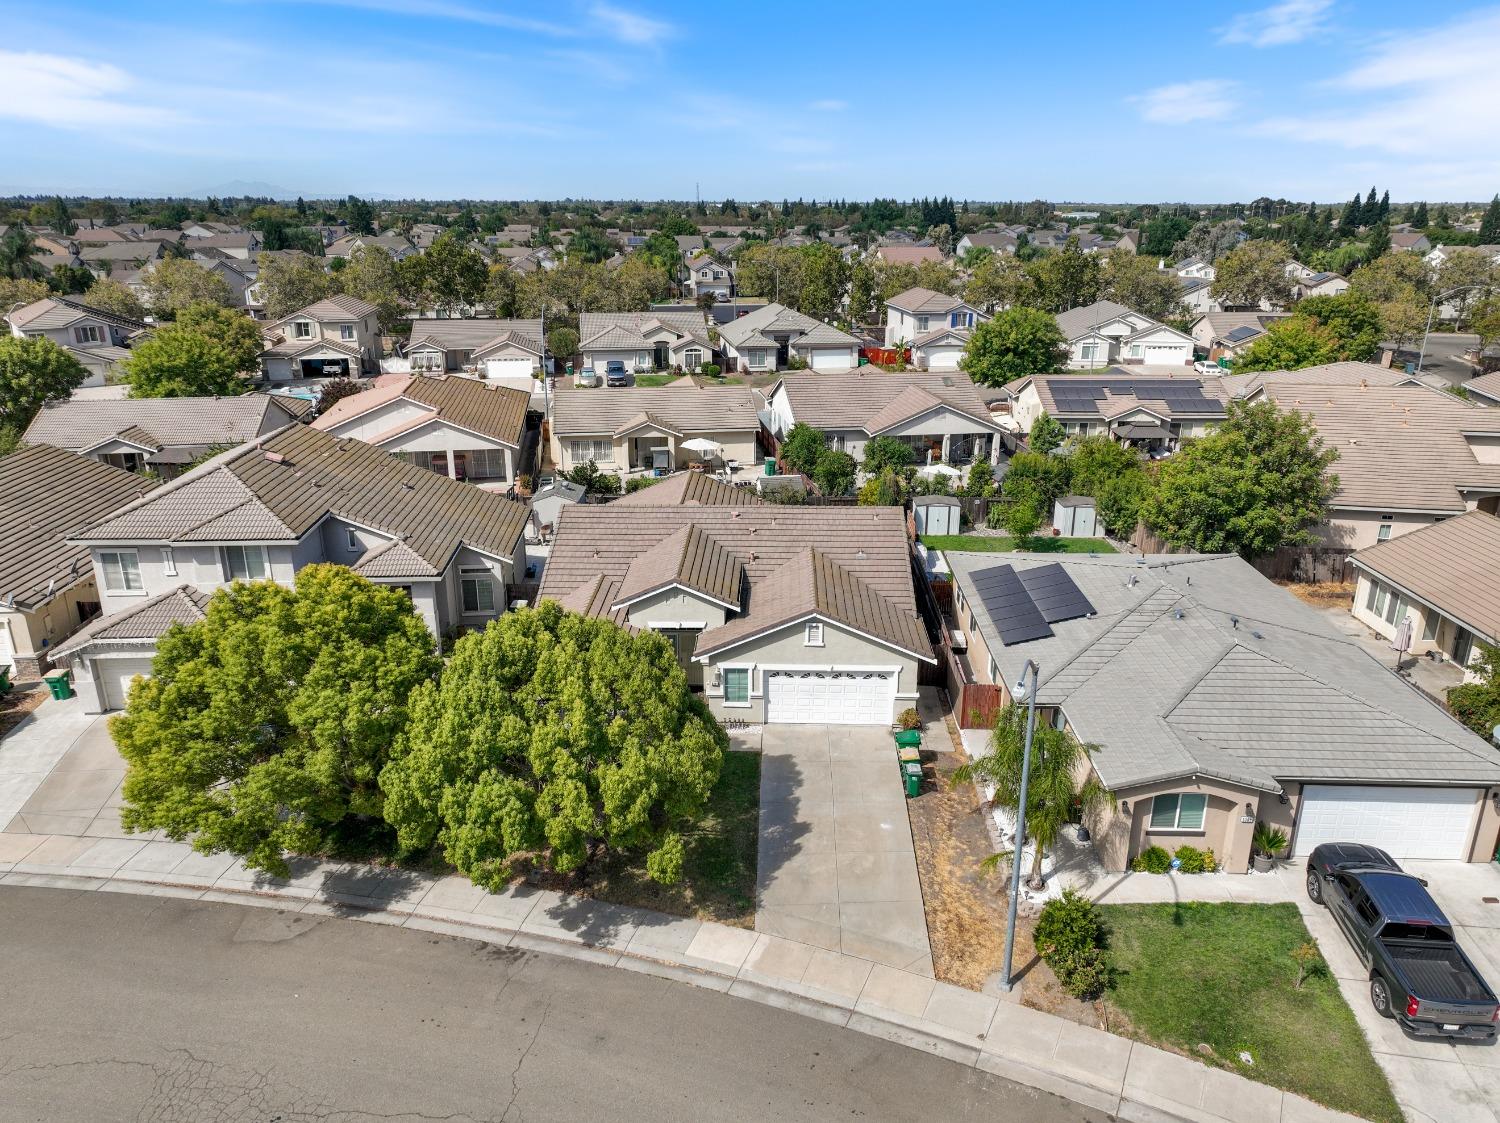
(958, 641)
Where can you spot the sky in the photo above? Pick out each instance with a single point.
(642, 99)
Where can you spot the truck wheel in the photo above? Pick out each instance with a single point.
(1380, 997)
(1314, 886)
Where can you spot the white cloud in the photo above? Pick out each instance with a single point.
(73, 93)
(630, 27)
(443, 9)
(828, 105)
(1428, 95)
(1182, 102)
(1291, 21)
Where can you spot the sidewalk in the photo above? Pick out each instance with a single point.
(1086, 1065)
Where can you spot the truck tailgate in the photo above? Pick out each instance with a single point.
(1443, 979)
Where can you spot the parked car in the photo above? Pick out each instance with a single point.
(586, 377)
(614, 373)
(1418, 973)
(1203, 366)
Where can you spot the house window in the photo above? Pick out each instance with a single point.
(168, 562)
(1135, 350)
(1088, 352)
(478, 593)
(301, 329)
(961, 320)
(352, 540)
(122, 571)
(736, 686)
(427, 360)
(692, 358)
(923, 322)
(994, 670)
(88, 333)
(600, 452)
(1384, 533)
(814, 636)
(757, 359)
(486, 464)
(1430, 626)
(346, 331)
(1180, 812)
(245, 563)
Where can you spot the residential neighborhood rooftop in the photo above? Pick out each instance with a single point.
(681, 407)
(1453, 565)
(158, 424)
(876, 400)
(485, 408)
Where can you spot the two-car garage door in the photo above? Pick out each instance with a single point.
(830, 697)
(1404, 822)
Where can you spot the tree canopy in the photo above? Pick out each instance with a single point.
(175, 282)
(263, 728)
(1253, 274)
(290, 282)
(112, 296)
(553, 734)
(33, 370)
(1259, 481)
(1015, 343)
(190, 360)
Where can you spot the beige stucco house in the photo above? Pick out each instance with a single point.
(338, 337)
(1153, 412)
(635, 430)
(99, 340)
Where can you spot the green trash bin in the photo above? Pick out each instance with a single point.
(57, 683)
(770, 466)
(5, 683)
(909, 739)
(911, 777)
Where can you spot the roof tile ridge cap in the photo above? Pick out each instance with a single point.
(1228, 648)
(201, 472)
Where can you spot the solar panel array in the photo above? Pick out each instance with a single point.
(1240, 333)
(1023, 604)
(1081, 395)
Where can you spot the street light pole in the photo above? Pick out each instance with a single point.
(1431, 308)
(1031, 669)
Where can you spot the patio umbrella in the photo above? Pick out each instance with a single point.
(934, 470)
(703, 445)
(1401, 642)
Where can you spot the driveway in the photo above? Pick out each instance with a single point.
(60, 773)
(836, 865)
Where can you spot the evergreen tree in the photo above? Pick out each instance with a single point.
(1384, 212)
(1370, 213)
(1349, 221)
(1419, 216)
(1489, 226)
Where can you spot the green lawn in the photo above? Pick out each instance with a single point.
(655, 379)
(718, 881)
(988, 543)
(1222, 974)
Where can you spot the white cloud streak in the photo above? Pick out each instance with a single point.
(828, 105)
(1182, 103)
(1280, 25)
(74, 93)
(630, 27)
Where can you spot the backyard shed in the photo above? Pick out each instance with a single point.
(937, 514)
(1073, 516)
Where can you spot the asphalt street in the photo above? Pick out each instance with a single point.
(1443, 363)
(122, 1007)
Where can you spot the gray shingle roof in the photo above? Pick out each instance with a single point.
(691, 489)
(82, 423)
(45, 495)
(1247, 684)
(279, 487)
(685, 408)
(772, 318)
(920, 299)
(486, 408)
(603, 330)
(475, 335)
(1080, 321)
(875, 400)
(1325, 374)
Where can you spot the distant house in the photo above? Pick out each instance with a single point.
(1196, 267)
(1129, 241)
(243, 245)
(265, 511)
(338, 337)
(644, 341)
(1197, 295)
(934, 325)
(908, 255)
(1410, 241)
(638, 430)
(1319, 284)
(455, 426)
(768, 338)
(397, 245)
(996, 241)
(1219, 334)
(939, 416)
(160, 435)
(99, 340)
(102, 260)
(436, 346)
(1151, 412)
(708, 275)
(47, 588)
(1484, 390)
(1104, 333)
(1439, 255)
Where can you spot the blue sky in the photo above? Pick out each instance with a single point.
(1148, 101)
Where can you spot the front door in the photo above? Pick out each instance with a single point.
(783, 353)
(661, 358)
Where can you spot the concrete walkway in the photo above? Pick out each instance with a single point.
(836, 867)
(59, 770)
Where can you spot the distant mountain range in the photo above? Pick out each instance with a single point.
(258, 188)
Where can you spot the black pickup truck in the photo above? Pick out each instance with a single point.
(1418, 975)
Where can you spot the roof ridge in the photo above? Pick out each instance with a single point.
(1126, 616)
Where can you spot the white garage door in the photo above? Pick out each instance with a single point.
(1405, 822)
(830, 697)
(944, 358)
(115, 677)
(827, 359)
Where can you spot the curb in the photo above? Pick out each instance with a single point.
(856, 1015)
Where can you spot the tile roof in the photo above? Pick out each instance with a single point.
(690, 489)
(157, 423)
(1119, 389)
(140, 624)
(924, 300)
(861, 576)
(876, 400)
(1325, 374)
(336, 307)
(46, 494)
(1487, 386)
(772, 318)
(1222, 323)
(1197, 665)
(602, 330)
(477, 335)
(279, 487)
(1076, 322)
(909, 255)
(686, 557)
(1401, 448)
(1453, 565)
(686, 409)
(52, 312)
(486, 408)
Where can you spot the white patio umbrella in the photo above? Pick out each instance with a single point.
(934, 470)
(703, 445)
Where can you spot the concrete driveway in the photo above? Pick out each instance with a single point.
(60, 774)
(837, 868)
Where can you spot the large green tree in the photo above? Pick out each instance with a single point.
(175, 282)
(450, 277)
(236, 335)
(263, 728)
(112, 296)
(1289, 344)
(1015, 343)
(18, 254)
(372, 275)
(290, 282)
(887, 454)
(557, 735)
(193, 359)
(1489, 225)
(1068, 278)
(802, 448)
(1351, 318)
(33, 370)
(1136, 282)
(1254, 274)
(1260, 481)
(1000, 280)
(1477, 704)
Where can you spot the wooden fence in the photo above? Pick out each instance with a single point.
(1286, 563)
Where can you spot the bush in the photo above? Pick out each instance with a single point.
(909, 718)
(1192, 860)
(639, 483)
(710, 370)
(1071, 939)
(1153, 859)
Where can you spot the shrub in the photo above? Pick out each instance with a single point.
(1192, 860)
(1153, 859)
(1071, 939)
(1268, 840)
(909, 718)
(639, 483)
(710, 370)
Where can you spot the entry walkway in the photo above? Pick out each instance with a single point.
(837, 869)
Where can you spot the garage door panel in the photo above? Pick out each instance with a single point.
(116, 675)
(1416, 823)
(829, 697)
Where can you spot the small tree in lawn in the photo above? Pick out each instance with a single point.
(1053, 791)
(887, 454)
(835, 472)
(1046, 433)
(1015, 343)
(559, 736)
(1022, 518)
(803, 448)
(1308, 959)
(980, 482)
(263, 728)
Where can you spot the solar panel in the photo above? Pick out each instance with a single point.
(1055, 594)
(1014, 613)
(1241, 333)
